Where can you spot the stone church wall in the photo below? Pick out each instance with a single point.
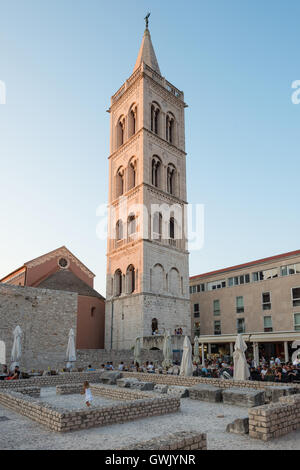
(45, 317)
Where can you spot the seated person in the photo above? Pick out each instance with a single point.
(90, 368)
(121, 366)
(15, 375)
(278, 374)
(255, 374)
(150, 368)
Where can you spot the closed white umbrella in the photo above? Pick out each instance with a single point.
(137, 351)
(167, 350)
(196, 350)
(16, 349)
(255, 354)
(186, 367)
(71, 351)
(241, 368)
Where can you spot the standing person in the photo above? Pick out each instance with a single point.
(277, 361)
(88, 393)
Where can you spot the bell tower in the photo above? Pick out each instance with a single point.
(147, 257)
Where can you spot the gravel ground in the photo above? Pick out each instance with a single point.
(71, 402)
(21, 433)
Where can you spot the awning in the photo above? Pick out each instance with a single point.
(259, 337)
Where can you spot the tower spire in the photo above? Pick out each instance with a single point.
(146, 52)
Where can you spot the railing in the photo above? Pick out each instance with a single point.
(155, 76)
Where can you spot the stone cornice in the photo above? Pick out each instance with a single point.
(152, 294)
(170, 197)
(171, 148)
(132, 244)
(127, 144)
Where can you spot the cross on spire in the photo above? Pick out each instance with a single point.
(147, 19)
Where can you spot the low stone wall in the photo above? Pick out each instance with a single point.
(96, 357)
(190, 381)
(117, 393)
(69, 389)
(65, 420)
(185, 440)
(51, 380)
(111, 392)
(277, 419)
(27, 406)
(30, 391)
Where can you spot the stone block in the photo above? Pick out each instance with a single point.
(243, 397)
(161, 388)
(110, 377)
(178, 391)
(205, 392)
(274, 393)
(239, 426)
(126, 382)
(142, 385)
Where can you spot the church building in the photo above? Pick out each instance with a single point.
(147, 258)
(60, 270)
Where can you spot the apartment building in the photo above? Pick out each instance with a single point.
(260, 299)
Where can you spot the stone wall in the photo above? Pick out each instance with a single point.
(277, 419)
(184, 440)
(45, 318)
(52, 380)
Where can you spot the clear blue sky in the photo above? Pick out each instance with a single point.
(61, 61)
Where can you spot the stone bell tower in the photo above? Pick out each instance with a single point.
(147, 258)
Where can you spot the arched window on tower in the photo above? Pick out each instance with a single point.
(170, 128)
(118, 282)
(130, 278)
(155, 116)
(156, 171)
(120, 131)
(171, 172)
(131, 224)
(132, 120)
(132, 173)
(172, 240)
(120, 182)
(119, 230)
(157, 226)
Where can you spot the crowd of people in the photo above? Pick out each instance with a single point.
(132, 367)
(272, 370)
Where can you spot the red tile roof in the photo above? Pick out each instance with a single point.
(245, 265)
